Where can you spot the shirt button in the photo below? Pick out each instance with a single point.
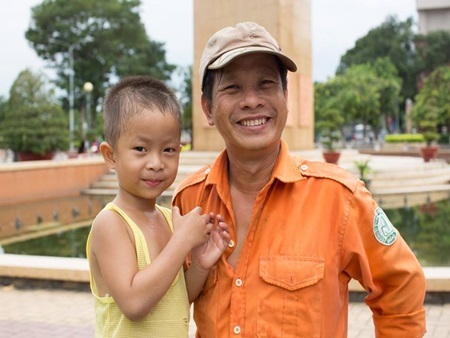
(238, 282)
(231, 244)
(237, 329)
(303, 167)
(207, 171)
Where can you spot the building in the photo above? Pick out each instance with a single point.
(434, 15)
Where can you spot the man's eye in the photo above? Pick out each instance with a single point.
(267, 82)
(230, 87)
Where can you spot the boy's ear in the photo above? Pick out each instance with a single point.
(107, 152)
(206, 106)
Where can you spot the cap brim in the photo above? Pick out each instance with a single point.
(227, 57)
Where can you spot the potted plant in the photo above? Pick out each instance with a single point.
(329, 128)
(34, 125)
(363, 170)
(428, 130)
(431, 109)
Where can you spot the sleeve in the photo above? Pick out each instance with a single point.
(375, 254)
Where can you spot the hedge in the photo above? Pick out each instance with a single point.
(404, 138)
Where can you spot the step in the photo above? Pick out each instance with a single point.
(410, 181)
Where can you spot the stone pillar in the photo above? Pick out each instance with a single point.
(289, 21)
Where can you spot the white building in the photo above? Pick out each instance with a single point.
(434, 15)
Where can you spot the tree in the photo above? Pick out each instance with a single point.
(186, 97)
(389, 86)
(394, 40)
(432, 104)
(108, 40)
(433, 50)
(363, 93)
(2, 108)
(356, 95)
(34, 122)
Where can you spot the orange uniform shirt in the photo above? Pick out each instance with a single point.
(314, 226)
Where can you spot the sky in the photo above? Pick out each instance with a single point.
(336, 25)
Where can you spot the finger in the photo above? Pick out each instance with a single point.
(176, 213)
(198, 210)
(224, 226)
(225, 236)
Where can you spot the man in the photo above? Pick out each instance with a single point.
(300, 230)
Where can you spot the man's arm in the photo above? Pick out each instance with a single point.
(374, 253)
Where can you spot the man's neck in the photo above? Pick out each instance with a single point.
(249, 174)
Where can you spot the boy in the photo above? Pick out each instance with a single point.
(135, 254)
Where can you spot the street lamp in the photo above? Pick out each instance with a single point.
(71, 87)
(87, 88)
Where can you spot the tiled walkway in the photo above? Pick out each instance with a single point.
(42, 313)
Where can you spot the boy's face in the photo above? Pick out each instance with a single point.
(147, 154)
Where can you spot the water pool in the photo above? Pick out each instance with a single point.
(425, 228)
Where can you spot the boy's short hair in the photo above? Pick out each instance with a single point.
(129, 97)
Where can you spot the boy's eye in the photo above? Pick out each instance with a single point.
(140, 149)
(170, 150)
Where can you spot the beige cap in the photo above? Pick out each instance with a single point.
(244, 38)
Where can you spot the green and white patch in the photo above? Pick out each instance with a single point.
(384, 231)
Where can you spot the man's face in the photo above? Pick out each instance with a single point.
(249, 106)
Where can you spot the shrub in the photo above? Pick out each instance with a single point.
(404, 138)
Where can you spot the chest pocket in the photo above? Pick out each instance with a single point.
(290, 298)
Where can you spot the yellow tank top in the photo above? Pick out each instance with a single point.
(169, 318)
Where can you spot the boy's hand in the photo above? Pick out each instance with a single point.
(207, 254)
(194, 227)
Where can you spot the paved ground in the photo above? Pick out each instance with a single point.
(43, 313)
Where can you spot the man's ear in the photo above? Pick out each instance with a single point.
(206, 106)
(107, 152)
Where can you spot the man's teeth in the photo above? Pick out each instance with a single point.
(252, 123)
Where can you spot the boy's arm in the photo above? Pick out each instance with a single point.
(204, 257)
(136, 291)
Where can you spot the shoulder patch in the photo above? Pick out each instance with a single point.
(384, 231)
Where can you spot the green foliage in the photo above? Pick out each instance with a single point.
(109, 41)
(329, 127)
(433, 50)
(404, 138)
(33, 122)
(432, 104)
(2, 108)
(186, 97)
(363, 93)
(363, 168)
(426, 230)
(393, 40)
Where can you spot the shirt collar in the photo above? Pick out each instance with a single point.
(286, 168)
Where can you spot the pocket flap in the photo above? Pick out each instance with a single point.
(291, 272)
